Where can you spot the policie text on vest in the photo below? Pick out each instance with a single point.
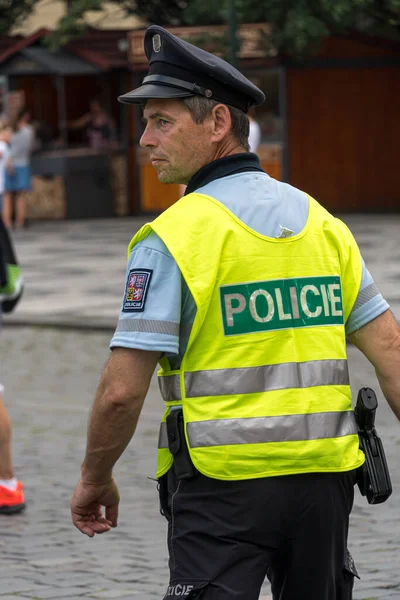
(281, 304)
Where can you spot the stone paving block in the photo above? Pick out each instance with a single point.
(57, 580)
(12, 597)
(115, 594)
(130, 577)
(53, 593)
(13, 586)
(376, 594)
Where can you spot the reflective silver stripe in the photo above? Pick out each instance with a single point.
(170, 387)
(148, 326)
(366, 294)
(225, 382)
(288, 428)
(163, 436)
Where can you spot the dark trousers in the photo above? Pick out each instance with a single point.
(224, 537)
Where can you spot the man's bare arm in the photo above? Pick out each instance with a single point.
(116, 409)
(379, 340)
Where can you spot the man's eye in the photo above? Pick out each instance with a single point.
(163, 122)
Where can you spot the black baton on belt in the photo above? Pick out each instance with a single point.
(373, 476)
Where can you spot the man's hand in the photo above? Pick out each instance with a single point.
(87, 503)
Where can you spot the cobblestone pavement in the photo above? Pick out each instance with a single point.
(50, 377)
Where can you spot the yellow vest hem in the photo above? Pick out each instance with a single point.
(165, 469)
(265, 474)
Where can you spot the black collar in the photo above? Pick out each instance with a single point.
(229, 165)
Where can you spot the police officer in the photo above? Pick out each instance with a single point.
(244, 291)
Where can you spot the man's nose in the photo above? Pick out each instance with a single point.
(147, 140)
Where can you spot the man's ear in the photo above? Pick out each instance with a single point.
(221, 122)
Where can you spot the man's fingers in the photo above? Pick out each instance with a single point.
(83, 526)
(105, 521)
(90, 525)
(99, 527)
(85, 530)
(98, 516)
(112, 514)
(87, 508)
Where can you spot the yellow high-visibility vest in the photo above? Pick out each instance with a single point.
(264, 382)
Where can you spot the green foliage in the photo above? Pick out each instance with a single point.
(13, 12)
(297, 25)
(205, 12)
(160, 12)
(73, 23)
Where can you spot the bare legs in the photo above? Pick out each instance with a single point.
(20, 209)
(7, 209)
(6, 467)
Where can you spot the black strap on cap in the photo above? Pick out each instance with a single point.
(173, 82)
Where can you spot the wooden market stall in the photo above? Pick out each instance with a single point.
(71, 178)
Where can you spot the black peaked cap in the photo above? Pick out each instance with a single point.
(178, 69)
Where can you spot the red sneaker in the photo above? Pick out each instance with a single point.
(11, 502)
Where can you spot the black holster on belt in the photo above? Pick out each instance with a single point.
(373, 476)
(183, 465)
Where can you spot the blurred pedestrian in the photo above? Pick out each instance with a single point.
(244, 291)
(5, 136)
(11, 490)
(18, 170)
(254, 131)
(99, 126)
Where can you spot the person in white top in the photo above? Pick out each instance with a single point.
(18, 171)
(5, 136)
(254, 133)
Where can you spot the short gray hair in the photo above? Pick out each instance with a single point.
(199, 107)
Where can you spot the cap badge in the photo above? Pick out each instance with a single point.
(157, 42)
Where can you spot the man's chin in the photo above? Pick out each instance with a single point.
(165, 178)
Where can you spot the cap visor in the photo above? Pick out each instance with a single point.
(150, 91)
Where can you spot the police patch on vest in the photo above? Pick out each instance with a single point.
(281, 304)
(137, 286)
